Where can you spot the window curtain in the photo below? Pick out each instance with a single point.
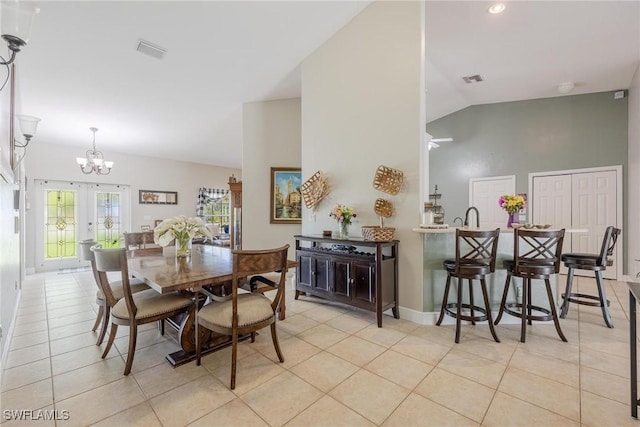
(206, 196)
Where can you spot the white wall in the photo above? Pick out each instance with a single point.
(57, 162)
(362, 106)
(271, 137)
(633, 221)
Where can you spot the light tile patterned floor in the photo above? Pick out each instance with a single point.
(339, 369)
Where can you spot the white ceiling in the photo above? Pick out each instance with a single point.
(81, 69)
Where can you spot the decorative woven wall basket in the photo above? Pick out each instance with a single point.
(388, 180)
(314, 190)
(377, 234)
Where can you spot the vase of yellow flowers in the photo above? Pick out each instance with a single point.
(182, 230)
(343, 214)
(512, 205)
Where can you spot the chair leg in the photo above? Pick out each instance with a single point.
(487, 307)
(504, 299)
(276, 344)
(444, 300)
(567, 294)
(525, 294)
(112, 336)
(253, 336)
(197, 332)
(458, 310)
(234, 357)
(105, 321)
(133, 336)
(473, 322)
(529, 309)
(603, 300)
(161, 326)
(554, 314)
(98, 318)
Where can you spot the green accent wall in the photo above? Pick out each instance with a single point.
(517, 138)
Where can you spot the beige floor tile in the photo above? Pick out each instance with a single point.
(370, 395)
(163, 377)
(150, 356)
(27, 355)
(599, 411)
(480, 342)
(139, 416)
(28, 340)
(30, 318)
(324, 370)
(416, 408)
(599, 330)
(80, 380)
(612, 364)
(187, 403)
(72, 360)
(459, 394)
(507, 410)
(473, 367)
(356, 350)
(444, 334)
(65, 311)
(25, 374)
(222, 357)
(294, 395)
(29, 328)
(145, 338)
(547, 367)
(542, 392)
(322, 314)
(251, 372)
(604, 384)
(347, 323)
(400, 369)
(328, 412)
(322, 336)
(399, 325)
(74, 329)
(70, 319)
(552, 347)
(617, 348)
(92, 406)
(297, 323)
(74, 342)
(32, 396)
(31, 309)
(430, 352)
(294, 350)
(300, 305)
(234, 413)
(385, 337)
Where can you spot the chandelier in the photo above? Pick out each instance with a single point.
(94, 162)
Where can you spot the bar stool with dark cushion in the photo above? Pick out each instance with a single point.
(536, 255)
(596, 263)
(475, 258)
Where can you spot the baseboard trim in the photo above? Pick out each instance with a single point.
(9, 336)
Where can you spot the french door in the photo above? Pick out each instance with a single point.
(68, 212)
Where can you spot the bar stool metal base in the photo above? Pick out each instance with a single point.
(538, 318)
(452, 309)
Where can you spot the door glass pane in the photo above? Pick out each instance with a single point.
(108, 220)
(60, 224)
(217, 211)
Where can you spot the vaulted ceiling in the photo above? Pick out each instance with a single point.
(81, 67)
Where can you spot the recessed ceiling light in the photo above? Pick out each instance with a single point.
(497, 8)
(566, 87)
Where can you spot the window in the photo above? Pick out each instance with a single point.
(218, 211)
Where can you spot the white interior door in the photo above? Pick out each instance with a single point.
(594, 198)
(484, 194)
(67, 213)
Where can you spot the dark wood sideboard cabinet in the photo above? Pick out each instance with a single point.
(353, 271)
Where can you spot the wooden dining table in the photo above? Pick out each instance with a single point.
(207, 266)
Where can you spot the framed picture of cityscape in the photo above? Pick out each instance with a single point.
(286, 200)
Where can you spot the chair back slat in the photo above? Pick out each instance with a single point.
(251, 262)
(476, 251)
(109, 260)
(86, 254)
(608, 245)
(139, 240)
(537, 253)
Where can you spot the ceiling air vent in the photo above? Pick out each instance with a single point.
(151, 49)
(473, 79)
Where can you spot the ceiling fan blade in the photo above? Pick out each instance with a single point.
(441, 139)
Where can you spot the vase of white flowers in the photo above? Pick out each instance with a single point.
(182, 230)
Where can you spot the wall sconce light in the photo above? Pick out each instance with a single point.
(17, 19)
(94, 162)
(28, 127)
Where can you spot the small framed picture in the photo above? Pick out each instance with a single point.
(286, 200)
(152, 197)
(145, 228)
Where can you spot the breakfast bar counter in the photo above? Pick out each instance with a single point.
(440, 243)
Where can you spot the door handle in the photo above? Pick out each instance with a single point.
(90, 228)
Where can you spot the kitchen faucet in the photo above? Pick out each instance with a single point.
(466, 216)
(462, 223)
